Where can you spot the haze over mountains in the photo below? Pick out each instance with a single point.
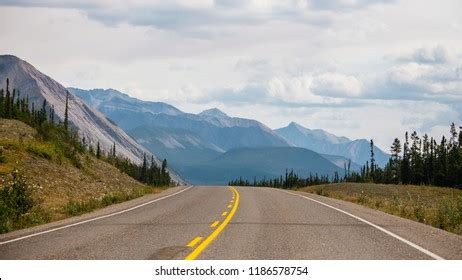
(90, 123)
(206, 147)
(323, 142)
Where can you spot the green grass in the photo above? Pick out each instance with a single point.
(43, 150)
(75, 208)
(435, 206)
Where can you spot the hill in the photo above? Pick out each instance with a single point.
(90, 123)
(58, 187)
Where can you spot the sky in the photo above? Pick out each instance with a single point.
(356, 68)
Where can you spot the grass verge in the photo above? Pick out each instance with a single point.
(75, 208)
(435, 206)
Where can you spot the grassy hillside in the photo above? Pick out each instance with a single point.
(435, 206)
(58, 187)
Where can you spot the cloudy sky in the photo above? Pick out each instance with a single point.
(358, 68)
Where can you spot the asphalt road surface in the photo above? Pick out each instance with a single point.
(232, 223)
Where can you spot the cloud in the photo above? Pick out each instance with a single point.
(412, 81)
(344, 4)
(337, 85)
(203, 16)
(436, 55)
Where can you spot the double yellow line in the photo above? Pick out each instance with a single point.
(234, 203)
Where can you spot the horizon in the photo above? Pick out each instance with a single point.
(363, 70)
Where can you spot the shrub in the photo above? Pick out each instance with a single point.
(15, 201)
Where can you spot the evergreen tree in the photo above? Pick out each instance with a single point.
(395, 161)
(98, 151)
(405, 168)
(372, 160)
(66, 113)
(113, 150)
(144, 169)
(416, 163)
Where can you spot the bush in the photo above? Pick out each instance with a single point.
(15, 201)
(449, 215)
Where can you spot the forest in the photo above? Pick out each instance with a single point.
(420, 160)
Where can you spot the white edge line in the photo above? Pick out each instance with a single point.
(93, 219)
(415, 246)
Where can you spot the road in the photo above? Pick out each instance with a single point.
(232, 223)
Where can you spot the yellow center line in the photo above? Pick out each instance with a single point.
(193, 242)
(229, 206)
(224, 213)
(215, 224)
(194, 254)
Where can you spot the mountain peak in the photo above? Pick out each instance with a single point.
(296, 125)
(214, 112)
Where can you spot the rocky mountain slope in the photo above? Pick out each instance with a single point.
(90, 123)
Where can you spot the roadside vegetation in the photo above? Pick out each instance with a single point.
(435, 206)
(422, 181)
(47, 172)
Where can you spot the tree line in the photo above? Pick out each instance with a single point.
(289, 181)
(418, 161)
(68, 141)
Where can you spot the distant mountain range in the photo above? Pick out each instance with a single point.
(258, 163)
(359, 151)
(180, 137)
(90, 123)
(204, 147)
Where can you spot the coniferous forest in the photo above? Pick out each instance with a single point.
(14, 105)
(419, 160)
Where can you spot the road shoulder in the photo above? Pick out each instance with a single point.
(111, 209)
(440, 242)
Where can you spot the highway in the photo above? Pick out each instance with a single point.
(232, 223)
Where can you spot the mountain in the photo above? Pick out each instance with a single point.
(214, 112)
(181, 147)
(128, 112)
(269, 162)
(180, 137)
(325, 143)
(214, 126)
(342, 162)
(90, 123)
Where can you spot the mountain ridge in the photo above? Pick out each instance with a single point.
(90, 123)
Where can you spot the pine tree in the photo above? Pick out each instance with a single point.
(405, 168)
(454, 157)
(114, 150)
(66, 112)
(372, 161)
(98, 151)
(144, 169)
(416, 160)
(395, 160)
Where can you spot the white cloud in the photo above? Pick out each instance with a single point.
(319, 63)
(337, 85)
